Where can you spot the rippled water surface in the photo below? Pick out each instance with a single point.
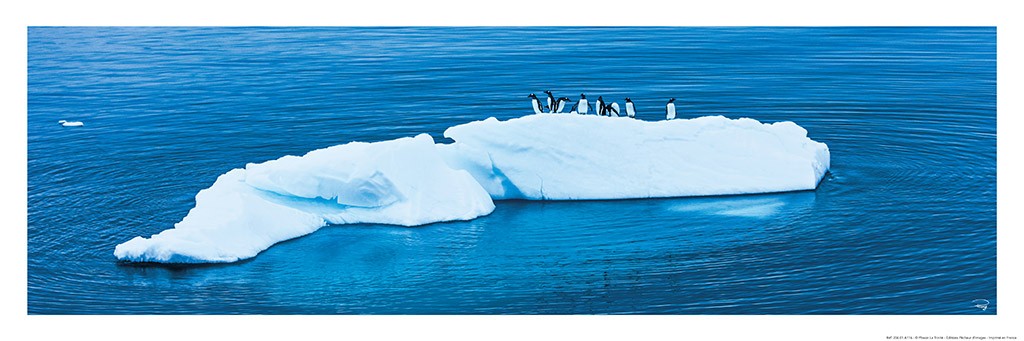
(905, 223)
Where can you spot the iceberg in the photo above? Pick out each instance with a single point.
(399, 182)
(573, 157)
(415, 181)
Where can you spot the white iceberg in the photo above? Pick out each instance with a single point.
(400, 182)
(413, 181)
(571, 157)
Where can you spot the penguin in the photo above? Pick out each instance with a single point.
(551, 101)
(600, 106)
(630, 108)
(560, 104)
(536, 104)
(670, 109)
(581, 106)
(613, 110)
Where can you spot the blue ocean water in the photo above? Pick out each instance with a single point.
(905, 223)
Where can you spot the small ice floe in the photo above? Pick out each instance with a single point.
(70, 123)
(980, 303)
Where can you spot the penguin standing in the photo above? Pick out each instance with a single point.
(536, 104)
(551, 101)
(630, 108)
(581, 107)
(670, 109)
(560, 104)
(613, 110)
(600, 106)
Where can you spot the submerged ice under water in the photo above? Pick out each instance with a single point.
(905, 222)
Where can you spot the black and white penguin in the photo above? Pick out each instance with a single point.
(536, 104)
(670, 109)
(630, 108)
(551, 101)
(613, 110)
(560, 104)
(581, 107)
(600, 106)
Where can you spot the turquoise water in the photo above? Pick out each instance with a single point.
(905, 223)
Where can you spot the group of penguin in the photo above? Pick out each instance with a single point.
(582, 107)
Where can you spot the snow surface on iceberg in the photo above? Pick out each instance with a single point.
(413, 181)
(568, 157)
(401, 182)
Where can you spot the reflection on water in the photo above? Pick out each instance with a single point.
(760, 206)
